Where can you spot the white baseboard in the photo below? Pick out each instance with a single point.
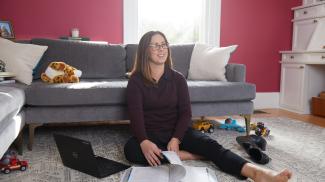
(265, 100)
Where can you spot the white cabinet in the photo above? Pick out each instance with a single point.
(308, 34)
(292, 82)
(302, 33)
(311, 2)
(303, 68)
(309, 12)
(305, 57)
(299, 83)
(307, 2)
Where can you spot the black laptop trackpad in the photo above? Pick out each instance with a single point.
(108, 167)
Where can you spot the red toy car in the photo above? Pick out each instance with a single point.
(10, 162)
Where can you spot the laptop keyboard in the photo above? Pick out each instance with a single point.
(107, 166)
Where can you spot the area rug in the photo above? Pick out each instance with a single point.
(292, 144)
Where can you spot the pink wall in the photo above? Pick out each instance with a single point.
(261, 28)
(98, 19)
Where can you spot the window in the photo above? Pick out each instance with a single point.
(183, 21)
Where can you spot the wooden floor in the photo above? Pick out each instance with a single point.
(320, 121)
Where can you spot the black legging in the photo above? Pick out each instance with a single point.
(194, 142)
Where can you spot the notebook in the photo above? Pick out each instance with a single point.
(175, 171)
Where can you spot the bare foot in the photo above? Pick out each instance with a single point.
(184, 155)
(266, 175)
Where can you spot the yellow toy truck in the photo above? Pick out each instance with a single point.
(203, 126)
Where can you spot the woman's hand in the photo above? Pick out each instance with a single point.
(173, 145)
(151, 152)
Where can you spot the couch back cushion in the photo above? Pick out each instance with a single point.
(94, 60)
(181, 56)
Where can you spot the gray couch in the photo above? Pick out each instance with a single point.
(12, 121)
(100, 96)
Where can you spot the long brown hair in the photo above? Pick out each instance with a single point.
(141, 63)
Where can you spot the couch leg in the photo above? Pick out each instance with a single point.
(19, 143)
(247, 122)
(32, 127)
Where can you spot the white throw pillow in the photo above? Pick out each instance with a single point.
(208, 62)
(21, 59)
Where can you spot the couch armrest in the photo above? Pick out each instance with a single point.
(236, 72)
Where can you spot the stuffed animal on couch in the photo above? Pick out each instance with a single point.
(60, 72)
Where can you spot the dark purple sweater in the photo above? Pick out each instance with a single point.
(163, 110)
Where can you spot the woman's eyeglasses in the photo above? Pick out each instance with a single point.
(156, 47)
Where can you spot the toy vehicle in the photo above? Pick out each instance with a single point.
(260, 129)
(203, 126)
(253, 126)
(231, 124)
(262, 132)
(10, 162)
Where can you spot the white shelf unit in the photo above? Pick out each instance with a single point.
(303, 68)
(311, 2)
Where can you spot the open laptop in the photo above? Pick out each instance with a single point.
(79, 155)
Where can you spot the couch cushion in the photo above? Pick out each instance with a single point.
(110, 92)
(212, 91)
(181, 56)
(131, 50)
(11, 101)
(209, 62)
(94, 60)
(21, 59)
(87, 92)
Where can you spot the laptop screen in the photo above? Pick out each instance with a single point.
(79, 155)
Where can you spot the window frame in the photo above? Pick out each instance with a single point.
(211, 25)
